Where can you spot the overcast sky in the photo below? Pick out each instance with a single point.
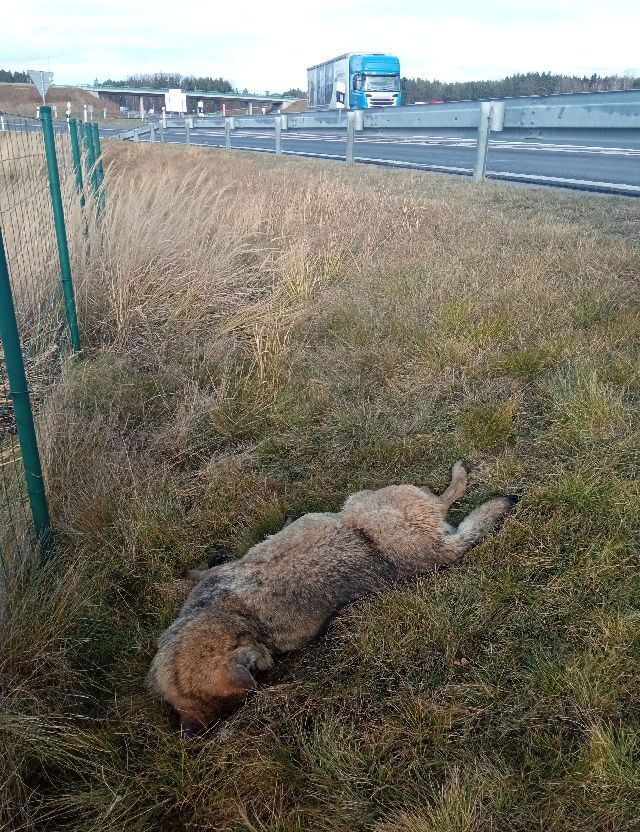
(267, 46)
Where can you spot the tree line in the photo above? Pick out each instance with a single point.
(172, 80)
(419, 89)
(529, 83)
(159, 80)
(8, 77)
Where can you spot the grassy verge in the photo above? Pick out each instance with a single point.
(264, 337)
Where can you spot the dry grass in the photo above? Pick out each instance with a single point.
(265, 336)
(300, 105)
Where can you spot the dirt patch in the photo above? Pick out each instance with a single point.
(24, 99)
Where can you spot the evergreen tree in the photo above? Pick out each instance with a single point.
(173, 80)
(529, 83)
(9, 77)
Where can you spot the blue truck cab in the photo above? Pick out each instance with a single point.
(356, 81)
(374, 81)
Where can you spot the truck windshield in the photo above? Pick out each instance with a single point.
(382, 83)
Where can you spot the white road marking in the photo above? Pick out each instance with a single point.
(447, 141)
(584, 183)
(556, 180)
(534, 178)
(463, 140)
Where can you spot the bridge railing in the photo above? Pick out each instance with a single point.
(581, 116)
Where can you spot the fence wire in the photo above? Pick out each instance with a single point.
(28, 231)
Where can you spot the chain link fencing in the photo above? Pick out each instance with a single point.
(44, 205)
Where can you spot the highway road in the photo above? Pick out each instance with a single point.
(605, 166)
(584, 165)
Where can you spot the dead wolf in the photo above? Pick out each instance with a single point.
(285, 590)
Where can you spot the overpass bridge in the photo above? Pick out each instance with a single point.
(212, 102)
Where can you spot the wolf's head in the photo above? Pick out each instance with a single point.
(203, 670)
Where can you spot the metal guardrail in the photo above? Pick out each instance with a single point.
(585, 116)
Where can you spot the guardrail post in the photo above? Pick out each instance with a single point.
(278, 121)
(496, 124)
(152, 133)
(351, 134)
(61, 234)
(161, 127)
(23, 415)
(227, 133)
(483, 141)
(359, 116)
(136, 137)
(75, 153)
(187, 132)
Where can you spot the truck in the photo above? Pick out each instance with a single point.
(355, 81)
(175, 101)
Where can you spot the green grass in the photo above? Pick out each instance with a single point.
(369, 327)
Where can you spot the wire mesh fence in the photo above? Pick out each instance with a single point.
(43, 226)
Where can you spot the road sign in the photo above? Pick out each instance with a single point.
(42, 80)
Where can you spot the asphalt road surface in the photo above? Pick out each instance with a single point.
(584, 165)
(606, 166)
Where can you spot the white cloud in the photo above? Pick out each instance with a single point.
(268, 46)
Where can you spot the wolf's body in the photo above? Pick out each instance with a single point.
(285, 590)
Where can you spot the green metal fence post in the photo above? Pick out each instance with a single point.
(99, 168)
(98, 152)
(82, 144)
(61, 234)
(80, 136)
(91, 154)
(77, 162)
(22, 406)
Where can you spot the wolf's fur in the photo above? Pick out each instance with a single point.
(285, 590)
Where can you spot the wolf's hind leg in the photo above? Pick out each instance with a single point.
(457, 486)
(476, 526)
